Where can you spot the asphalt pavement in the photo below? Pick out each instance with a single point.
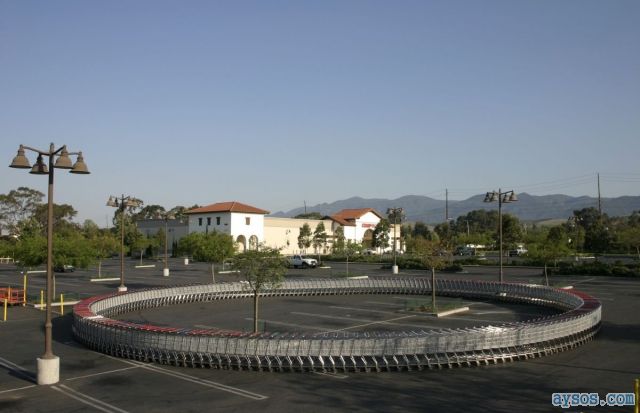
(91, 381)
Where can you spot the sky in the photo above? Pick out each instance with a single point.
(277, 103)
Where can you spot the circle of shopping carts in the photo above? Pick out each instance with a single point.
(578, 321)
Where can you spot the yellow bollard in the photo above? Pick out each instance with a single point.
(61, 304)
(5, 309)
(41, 300)
(637, 392)
(24, 291)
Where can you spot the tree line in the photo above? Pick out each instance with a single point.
(23, 221)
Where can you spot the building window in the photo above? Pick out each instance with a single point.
(217, 220)
(200, 221)
(208, 221)
(247, 220)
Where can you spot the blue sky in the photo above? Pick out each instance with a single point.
(273, 103)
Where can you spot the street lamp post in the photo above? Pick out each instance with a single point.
(574, 222)
(166, 217)
(122, 203)
(502, 198)
(49, 364)
(396, 213)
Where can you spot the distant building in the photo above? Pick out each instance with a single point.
(249, 227)
(243, 222)
(176, 229)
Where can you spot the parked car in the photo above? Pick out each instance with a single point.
(299, 261)
(518, 252)
(465, 251)
(64, 268)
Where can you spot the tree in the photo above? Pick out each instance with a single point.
(149, 212)
(105, 245)
(72, 249)
(31, 250)
(597, 236)
(263, 268)
(420, 229)
(178, 212)
(339, 243)
(630, 238)
(142, 243)
(381, 235)
(18, 205)
(158, 242)
(62, 216)
(304, 239)
(319, 238)
(429, 254)
(90, 229)
(478, 221)
(446, 238)
(309, 215)
(511, 230)
(553, 247)
(68, 249)
(212, 247)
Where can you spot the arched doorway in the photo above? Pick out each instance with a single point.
(241, 243)
(253, 242)
(367, 239)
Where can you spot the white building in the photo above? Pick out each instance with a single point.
(249, 227)
(283, 233)
(243, 222)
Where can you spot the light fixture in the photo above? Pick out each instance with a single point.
(80, 167)
(63, 161)
(112, 202)
(20, 160)
(39, 168)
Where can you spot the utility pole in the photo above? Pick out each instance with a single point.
(599, 198)
(305, 206)
(446, 205)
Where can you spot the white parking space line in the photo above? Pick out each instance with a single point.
(383, 303)
(368, 322)
(332, 375)
(363, 310)
(18, 370)
(17, 389)
(102, 373)
(196, 380)
(88, 400)
(494, 312)
(304, 326)
(374, 322)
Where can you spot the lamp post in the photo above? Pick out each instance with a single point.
(395, 213)
(49, 364)
(502, 198)
(574, 222)
(166, 217)
(122, 203)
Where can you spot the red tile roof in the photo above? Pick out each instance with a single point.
(342, 222)
(232, 206)
(353, 214)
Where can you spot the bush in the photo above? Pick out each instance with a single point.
(596, 268)
(455, 267)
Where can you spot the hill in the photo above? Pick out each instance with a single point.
(430, 210)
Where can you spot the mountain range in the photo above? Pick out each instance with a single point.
(430, 210)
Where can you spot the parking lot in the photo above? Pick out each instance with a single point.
(93, 381)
